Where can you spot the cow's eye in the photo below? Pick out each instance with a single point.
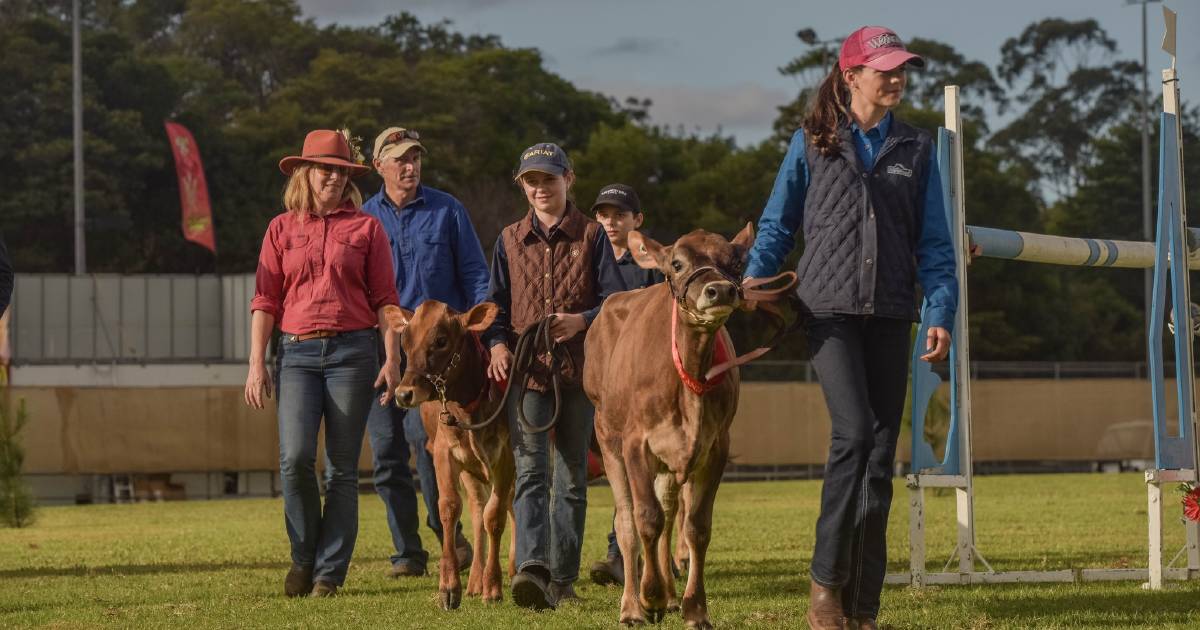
(677, 266)
(439, 343)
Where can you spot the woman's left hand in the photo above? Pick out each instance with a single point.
(566, 325)
(390, 376)
(937, 344)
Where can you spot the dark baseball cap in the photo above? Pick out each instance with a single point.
(876, 47)
(619, 195)
(545, 157)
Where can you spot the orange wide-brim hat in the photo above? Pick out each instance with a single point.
(324, 146)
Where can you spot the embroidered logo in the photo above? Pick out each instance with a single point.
(574, 251)
(885, 40)
(899, 169)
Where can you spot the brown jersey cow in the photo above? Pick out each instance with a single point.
(662, 428)
(447, 362)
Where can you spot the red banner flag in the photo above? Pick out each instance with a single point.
(193, 190)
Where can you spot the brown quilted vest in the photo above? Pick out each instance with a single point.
(551, 274)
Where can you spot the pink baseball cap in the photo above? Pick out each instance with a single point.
(876, 47)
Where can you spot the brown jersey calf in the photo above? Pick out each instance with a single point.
(446, 376)
(662, 427)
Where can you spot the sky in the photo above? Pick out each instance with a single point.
(710, 66)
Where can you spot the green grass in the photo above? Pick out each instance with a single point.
(221, 564)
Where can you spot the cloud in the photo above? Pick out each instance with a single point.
(635, 46)
(745, 110)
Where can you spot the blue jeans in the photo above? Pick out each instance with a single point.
(550, 502)
(862, 363)
(328, 378)
(387, 428)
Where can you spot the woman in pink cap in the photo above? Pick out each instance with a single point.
(324, 276)
(865, 190)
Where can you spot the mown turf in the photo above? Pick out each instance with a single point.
(220, 564)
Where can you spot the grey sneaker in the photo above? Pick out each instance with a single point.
(298, 581)
(324, 588)
(609, 571)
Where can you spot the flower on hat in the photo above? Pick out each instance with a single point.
(1190, 501)
(355, 143)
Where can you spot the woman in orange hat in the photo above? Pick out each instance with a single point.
(324, 276)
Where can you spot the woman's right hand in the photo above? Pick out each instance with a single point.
(258, 384)
(501, 361)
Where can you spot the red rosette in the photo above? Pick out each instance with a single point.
(1191, 504)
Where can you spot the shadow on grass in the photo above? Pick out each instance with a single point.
(1091, 609)
(138, 569)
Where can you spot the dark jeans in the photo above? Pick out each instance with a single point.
(392, 431)
(862, 363)
(386, 429)
(550, 502)
(328, 378)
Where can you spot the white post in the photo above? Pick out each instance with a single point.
(965, 496)
(916, 531)
(1154, 519)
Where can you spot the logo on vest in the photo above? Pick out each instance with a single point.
(574, 251)
(899, 169)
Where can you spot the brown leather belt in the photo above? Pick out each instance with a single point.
(316, 334)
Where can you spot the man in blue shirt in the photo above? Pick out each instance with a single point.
(436, 256)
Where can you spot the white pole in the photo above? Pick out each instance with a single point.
(77, 101)
(966, 495)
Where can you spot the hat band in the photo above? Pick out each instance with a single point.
(325, 155)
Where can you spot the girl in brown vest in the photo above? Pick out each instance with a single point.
(554, 261)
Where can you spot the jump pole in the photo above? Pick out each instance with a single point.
(1176, 456)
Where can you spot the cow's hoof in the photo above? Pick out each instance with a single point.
(632, 621)
(493, 599)
(450, 599)
(656, 615)
(673, 607)
(702, 624)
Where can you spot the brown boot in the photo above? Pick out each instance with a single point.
(825, 608)
(323, 588)
(299, 581)
(863, 623)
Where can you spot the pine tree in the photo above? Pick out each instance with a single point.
(16, 500)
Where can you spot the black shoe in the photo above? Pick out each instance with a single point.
(561, 592)
(609, 571)
(530, 590)
(298, 581)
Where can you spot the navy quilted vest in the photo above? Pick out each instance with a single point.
(861, 227)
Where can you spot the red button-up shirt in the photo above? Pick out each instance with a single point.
(325, 273)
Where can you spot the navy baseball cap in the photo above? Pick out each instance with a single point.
(544, 157)
(619, 195)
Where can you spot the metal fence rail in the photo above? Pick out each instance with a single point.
(61, 318)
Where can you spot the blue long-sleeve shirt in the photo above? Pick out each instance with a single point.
(783, 217)
(435, 251)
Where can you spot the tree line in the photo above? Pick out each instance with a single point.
(250, 78)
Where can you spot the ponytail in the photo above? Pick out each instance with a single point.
(830, 110)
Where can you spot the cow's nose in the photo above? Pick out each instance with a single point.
(404, 396)
(717, 293)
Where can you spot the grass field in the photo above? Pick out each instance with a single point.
(220, 564)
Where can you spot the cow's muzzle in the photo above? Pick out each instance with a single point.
(718, 297)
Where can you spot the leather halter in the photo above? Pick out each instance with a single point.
(750, 289)
(439, 381)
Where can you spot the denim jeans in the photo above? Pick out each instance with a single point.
(386, 430)
(550, 501)
(862, 363)
(328, 378)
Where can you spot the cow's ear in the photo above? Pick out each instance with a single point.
(744, 239)
(647, 252)
(397, 318)
(479, 317)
